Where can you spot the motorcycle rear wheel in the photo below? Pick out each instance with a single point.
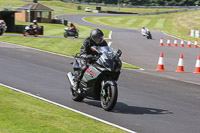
(108, 97)
(75, 96)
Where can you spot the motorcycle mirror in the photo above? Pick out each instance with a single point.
(94, 48)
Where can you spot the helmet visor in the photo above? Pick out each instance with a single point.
(98, 39)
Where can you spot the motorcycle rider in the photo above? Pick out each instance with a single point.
(95, 39)
(3, 25)
(144, 31)
(72, 27)
(35, 26)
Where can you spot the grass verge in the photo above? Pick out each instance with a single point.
(24, 114)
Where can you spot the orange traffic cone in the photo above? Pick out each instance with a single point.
(180, 64)
(161, 42)
(195, 44)
(189, 44)
(168, 42)
(175, 42)
(182, 43)
(160, 63)
(197, 66)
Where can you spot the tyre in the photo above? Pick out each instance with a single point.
(75, 96)
(65, 34)
(1, 32)
(108, 97)
(25, 33)
(150, 36)
(76, 35)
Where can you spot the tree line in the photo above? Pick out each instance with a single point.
(148, 2)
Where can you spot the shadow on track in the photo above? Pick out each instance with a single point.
(126, 109)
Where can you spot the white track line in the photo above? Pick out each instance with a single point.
(65, 107)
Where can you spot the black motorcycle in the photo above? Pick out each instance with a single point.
(31, 30)
(70, 32)
(99, 80)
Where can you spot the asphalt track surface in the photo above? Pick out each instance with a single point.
(148, 102)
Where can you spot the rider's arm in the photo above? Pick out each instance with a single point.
(84, 47)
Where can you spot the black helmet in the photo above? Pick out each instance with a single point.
(97, 36)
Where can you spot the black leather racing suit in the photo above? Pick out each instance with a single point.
(85, 51)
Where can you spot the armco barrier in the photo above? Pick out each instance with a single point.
(195, 33)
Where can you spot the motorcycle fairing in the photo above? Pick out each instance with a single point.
(90, 76)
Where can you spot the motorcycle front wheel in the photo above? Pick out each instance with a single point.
(75, 96)
(108, 97)
(76, 35)
(1, 32)
(65, 34)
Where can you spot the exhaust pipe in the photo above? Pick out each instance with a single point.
(70, 79)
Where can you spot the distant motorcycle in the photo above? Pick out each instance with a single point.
(99, 80)
(30, 30)
(146, 32)
(70, 32)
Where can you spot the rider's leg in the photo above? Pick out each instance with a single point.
(80, 75)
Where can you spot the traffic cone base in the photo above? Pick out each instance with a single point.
(160, 68)
(182, 45)
(197, 70)
(180, 69)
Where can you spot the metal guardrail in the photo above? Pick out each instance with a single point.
(195, 33)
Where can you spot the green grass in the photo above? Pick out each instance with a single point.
(126, 65)
(20, 113)
(12, 2)
(62, 46)
(176, 24)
